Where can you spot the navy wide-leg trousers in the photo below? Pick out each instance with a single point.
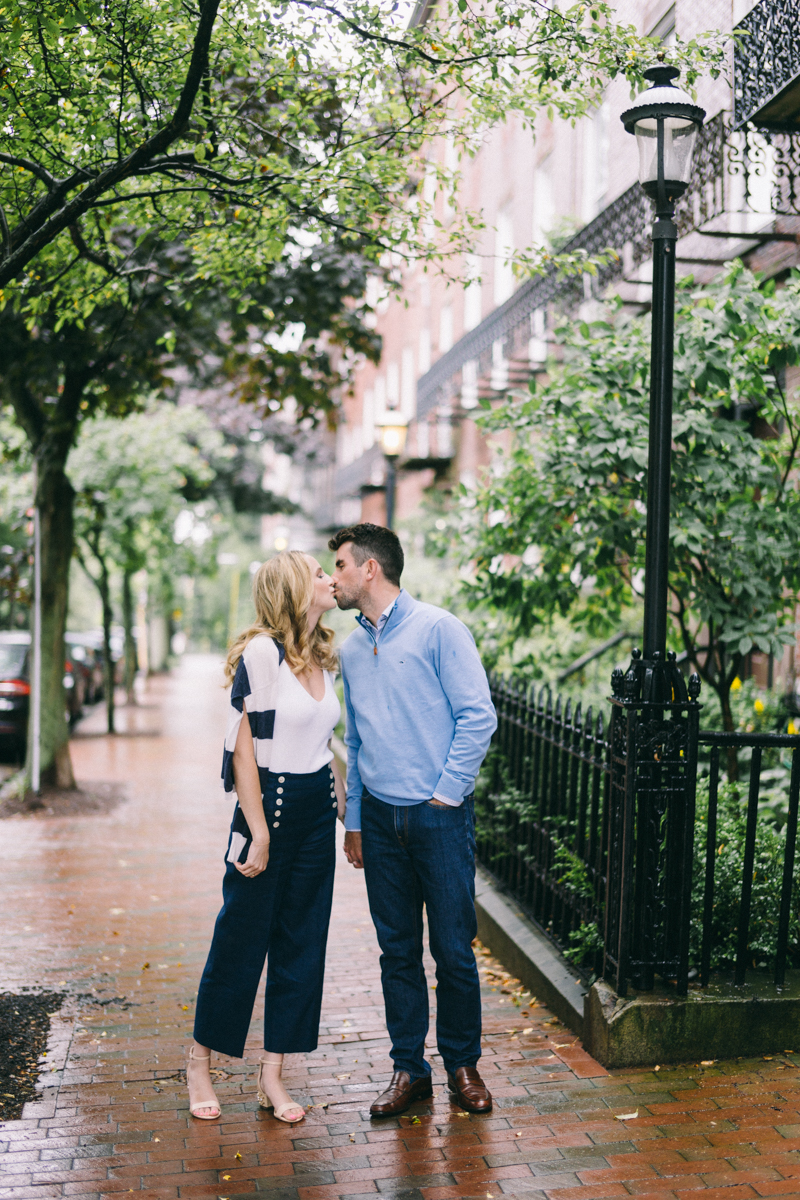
(283, 913)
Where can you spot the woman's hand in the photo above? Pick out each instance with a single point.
(339, 788)
(257, 859)
(251, 802)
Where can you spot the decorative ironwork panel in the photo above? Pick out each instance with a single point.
(786, 188)
(767, 58)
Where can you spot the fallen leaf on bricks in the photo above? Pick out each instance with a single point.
(415, 1121)
(145, 966)
(342, 1076)
(237, 1155)
(226, 1176)
(626, 1116)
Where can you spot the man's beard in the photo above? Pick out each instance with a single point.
(347, 600)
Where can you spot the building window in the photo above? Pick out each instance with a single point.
(392, 385)
(473, 294)
(424, 350)
(408, 390)
(543, 210)
(503, 254)
(368, 417)
(445, 328)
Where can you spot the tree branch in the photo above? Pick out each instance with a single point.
(27, 164)
(127, 167)
(84, 251)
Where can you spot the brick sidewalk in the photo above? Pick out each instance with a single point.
(117, 911)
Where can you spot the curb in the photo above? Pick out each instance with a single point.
(526, 952)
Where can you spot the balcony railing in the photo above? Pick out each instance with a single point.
(766, 67)
(624, 226)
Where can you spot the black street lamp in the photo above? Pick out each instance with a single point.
(666, 122)
(393, 429)
(655, 724)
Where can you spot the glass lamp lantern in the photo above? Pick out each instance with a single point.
(393, 429)
(666, 122)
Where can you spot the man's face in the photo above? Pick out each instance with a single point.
(348, 578)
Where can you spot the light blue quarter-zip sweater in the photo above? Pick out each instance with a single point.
(419, 713)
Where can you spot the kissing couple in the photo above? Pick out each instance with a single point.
(419, 719)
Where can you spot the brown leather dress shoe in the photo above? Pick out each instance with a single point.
(401, 1094)
(470, 1091)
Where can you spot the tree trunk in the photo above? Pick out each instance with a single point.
(108, 663)
(128, 618)
(724, 693)
(54, 497)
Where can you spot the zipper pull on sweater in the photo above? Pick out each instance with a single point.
(375, 648)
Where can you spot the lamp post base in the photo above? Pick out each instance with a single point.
(654, 738)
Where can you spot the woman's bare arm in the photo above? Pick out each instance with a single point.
(248, 789)
(338, 784)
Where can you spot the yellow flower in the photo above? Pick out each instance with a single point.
(792, 728)
(737, 683)
(758, 705)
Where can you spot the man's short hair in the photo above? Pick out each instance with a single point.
(373, 541)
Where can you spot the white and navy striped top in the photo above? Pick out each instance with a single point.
(256, 684)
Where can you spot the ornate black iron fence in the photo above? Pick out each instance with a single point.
(759, 743)
(542, 808)
(595, 835)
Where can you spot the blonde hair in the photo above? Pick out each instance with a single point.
(283, 589)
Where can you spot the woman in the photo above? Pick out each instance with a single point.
(278, 883)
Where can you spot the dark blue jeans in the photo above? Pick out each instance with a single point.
(414, 855)
(284, 911)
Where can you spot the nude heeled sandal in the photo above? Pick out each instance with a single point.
(193, 1108)
(265, 1102)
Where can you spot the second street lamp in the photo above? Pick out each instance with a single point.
(393, 429)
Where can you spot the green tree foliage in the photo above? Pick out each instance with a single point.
(58, 372)
(130, 478)
(234, 123)
(558, 525)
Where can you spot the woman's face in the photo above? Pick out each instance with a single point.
(323, 587)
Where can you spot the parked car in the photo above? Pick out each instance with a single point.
(84, 658)
(15, 689)
(83, 681)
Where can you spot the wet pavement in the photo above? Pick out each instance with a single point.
(116, 910)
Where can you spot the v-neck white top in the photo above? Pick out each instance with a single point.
(303, 725)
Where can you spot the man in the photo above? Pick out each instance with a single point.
(419, 722)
